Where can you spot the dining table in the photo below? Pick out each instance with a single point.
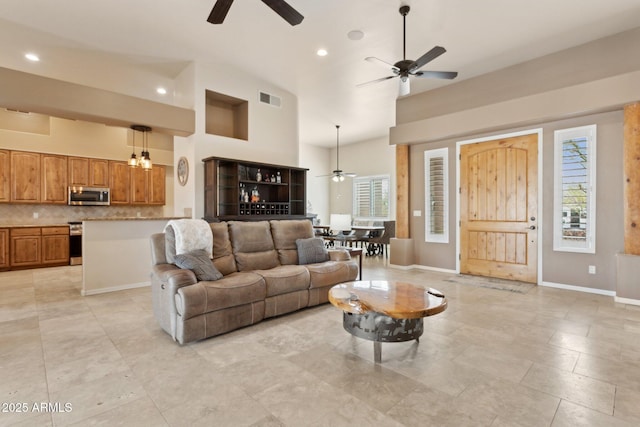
(358, 233)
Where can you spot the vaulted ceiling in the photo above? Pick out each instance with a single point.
(90, 41)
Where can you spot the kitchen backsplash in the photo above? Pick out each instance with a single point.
(61, 214)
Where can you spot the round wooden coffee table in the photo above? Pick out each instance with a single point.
(385, 311)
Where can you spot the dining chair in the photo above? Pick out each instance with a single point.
(382, 242)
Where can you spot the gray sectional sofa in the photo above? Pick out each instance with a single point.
(261, 277)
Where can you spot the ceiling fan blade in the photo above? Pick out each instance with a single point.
(375, 60)
(349, 174)
(375, 81)
(283, 9)
(426, 58)
(405, 87)
(219, 11)
(437, 74)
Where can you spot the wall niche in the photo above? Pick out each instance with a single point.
(226, 116)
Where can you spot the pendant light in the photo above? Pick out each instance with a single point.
(145, 159)
(133, 160)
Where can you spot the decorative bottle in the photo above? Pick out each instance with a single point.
(278, 178)
(258, 176)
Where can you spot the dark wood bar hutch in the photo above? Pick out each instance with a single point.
(250, 191)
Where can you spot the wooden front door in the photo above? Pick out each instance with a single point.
(499, 208)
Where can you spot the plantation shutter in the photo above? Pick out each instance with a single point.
(574, 188)
(436, 195)
(436, 223)
(363, 199)
(371, 197)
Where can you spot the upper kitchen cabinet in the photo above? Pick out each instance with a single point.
(5, 176)
(99, 173)
(120, 182)
(78, 171)
(25, 177)
(54, 179)
(84, 172)
(148, 186)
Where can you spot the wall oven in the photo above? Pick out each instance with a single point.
(75, 243)
(89, 196)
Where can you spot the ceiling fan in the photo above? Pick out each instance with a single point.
(408, 67)
(338, 174)
(281, 7)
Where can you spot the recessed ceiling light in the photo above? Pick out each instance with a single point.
(32, 57)
(161, 91)
(355, 35)
(322, 52)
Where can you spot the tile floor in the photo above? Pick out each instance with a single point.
(545, 357)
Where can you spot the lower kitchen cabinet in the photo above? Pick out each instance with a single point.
(4, 249)
(26, 247)
(55, 246)
(32, 247)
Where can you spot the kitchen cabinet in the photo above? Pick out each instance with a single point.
(26, 247)
(4, 249)
(99, 173)
(55, 246)
(25, 177)
(227, 181)
(157, 185)
(5, 175)
(85, 172)
(148, 186)
(54, 179)
(78, 171)
(38, 246)
(120, 182)
(139, 185)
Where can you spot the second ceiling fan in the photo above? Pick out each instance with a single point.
(338, 174)
(281, 7)
(407, 67)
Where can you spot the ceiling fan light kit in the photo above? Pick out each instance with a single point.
(407, 67)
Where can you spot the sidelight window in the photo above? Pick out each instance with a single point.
(575, 189)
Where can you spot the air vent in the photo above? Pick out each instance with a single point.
(267, 98)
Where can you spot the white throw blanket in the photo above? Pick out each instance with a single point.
(192, 234)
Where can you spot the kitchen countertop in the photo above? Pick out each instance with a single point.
(66, 224)
(135, 218)
(33, 225)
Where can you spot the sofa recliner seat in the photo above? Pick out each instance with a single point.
(262, 278)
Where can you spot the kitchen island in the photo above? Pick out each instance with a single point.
(116, 252)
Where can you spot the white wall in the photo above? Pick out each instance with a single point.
(318, 161)
(273, 132)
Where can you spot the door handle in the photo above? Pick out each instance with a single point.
(533, 227)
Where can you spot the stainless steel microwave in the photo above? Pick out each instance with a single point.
(89, 196)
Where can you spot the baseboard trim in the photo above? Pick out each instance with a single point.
(629, 301)
(422, 267)
(578, 289)
(85, 293)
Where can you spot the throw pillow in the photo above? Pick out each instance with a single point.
(311, 251)
(199, 262)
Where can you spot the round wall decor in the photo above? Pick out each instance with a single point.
(183, 170)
